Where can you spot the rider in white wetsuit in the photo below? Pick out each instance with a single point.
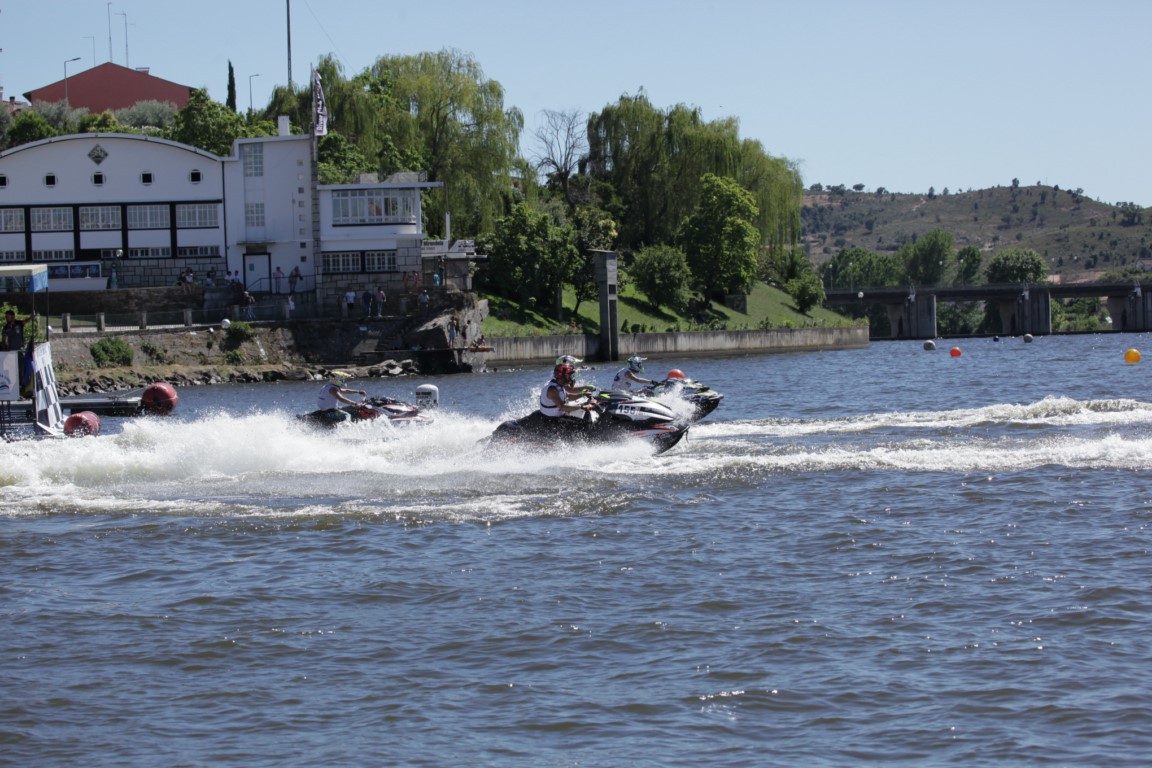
(332, 394)
(554, 397)
(626, 379)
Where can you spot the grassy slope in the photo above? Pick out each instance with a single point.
(768, 307)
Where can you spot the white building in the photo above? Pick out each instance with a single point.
(87, 203)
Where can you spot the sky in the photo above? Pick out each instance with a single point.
(900, 94)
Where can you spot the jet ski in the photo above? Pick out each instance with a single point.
(396, 412)
(703, 399)
(608, 418)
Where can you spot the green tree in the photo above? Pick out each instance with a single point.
(927, 260)
(860, 268)
(207, 124)
(452, 118)
(719, 239)
(806, 291)
(105, 122)
(154, 115)
(969, 262)
(339, 161)
(563, 146)
(29, 126)
(231, 100)
(661, 273)
(59, 115)
(595, 231)
(1016, 265)
(528, 256)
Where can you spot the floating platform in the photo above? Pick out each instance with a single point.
(122, 404)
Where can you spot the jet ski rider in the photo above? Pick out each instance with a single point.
(333, 393)
(626, 379)
(554, 400)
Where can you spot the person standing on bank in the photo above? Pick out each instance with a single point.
(277, 276)
(12, 336)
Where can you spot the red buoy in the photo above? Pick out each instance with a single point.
(81, 424)
(955, 352)
(159, 399)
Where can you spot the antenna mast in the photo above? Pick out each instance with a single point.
(288, 7)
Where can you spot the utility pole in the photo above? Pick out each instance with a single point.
(109, 8)
(125, 15)
(288, 7)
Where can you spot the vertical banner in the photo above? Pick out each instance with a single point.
(49, 414)
(9, 375)
(319, 106)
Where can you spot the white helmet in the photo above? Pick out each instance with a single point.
(636, 363)
(568, 360)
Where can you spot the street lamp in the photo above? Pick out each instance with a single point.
(250, 91)
(66, 63)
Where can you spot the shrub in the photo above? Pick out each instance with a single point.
(237, 334)
(111, 353)
(234, 357)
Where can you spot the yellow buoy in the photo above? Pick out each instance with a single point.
(1132, 356)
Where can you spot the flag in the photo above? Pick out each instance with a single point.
(319, 106)
(49, 413)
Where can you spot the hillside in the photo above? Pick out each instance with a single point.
(1080, 238)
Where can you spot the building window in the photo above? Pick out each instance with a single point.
(254, 214)
(342, 261)
(373, 206)
(198, 250)
(49, 179)
(3, 181)
(197, 216)
(148, 217)
(11, 255)
(98, 179)
(100, 217)
(380, 261)
(195, 177)
(253, 157)
(51, 219)
(61, 255)
(146, 177)
(149, 253)
(12, 220)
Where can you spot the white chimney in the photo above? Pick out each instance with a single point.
(283, 125)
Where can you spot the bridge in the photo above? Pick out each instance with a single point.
(1023, 308)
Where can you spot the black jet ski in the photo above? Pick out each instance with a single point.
(703, 399)
(610, 418)
(396, 412)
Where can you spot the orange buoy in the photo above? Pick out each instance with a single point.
(159, 399)
(955, 352)
(81, 424)
(1132, 356)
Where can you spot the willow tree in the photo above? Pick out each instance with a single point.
(653, 161)
(448, 116)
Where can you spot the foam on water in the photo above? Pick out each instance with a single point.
(268, 463)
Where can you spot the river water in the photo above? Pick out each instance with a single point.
(874, 557)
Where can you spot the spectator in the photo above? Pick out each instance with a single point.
(249, 306)
(350, 302)
(277, 277)
(367, 297)
(293, 278)
(423, 300)
(12, 335)
(381, 297)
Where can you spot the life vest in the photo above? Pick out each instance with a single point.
(547, 407)
(624, 382)
(327, 398)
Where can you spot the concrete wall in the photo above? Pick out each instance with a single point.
(532, 348)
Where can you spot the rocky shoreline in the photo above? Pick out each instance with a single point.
(108, 380)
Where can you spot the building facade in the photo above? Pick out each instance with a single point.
(88, 205)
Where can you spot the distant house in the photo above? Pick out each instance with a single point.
(110, 86)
